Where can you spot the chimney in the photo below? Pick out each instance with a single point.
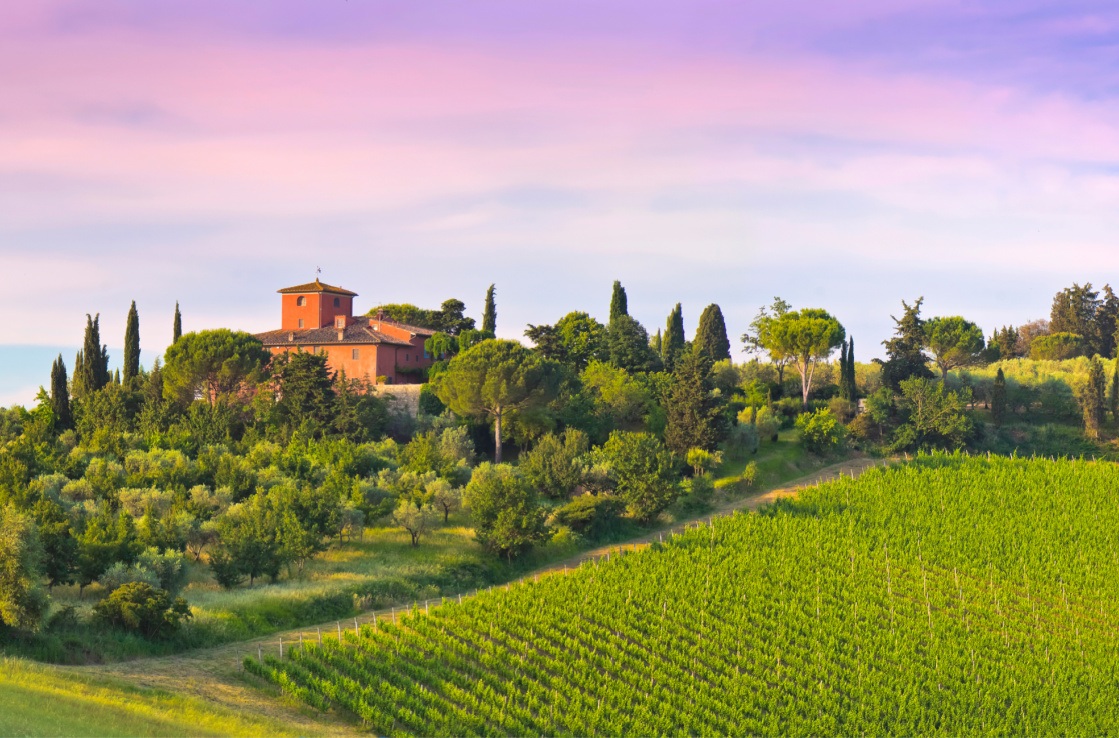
(341, 334)
(291, 336)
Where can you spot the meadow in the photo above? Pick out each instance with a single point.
(950, 595)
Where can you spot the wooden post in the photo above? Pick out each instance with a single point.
(357, 629)
(427, 607)
(460, 598)
(394, 615)
(339, 631)
(319, 630)
(300, 640)
(281, 647)
(259, 654)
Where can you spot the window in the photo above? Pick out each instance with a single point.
(355, 354)
(427, 355)
(337, 302)
(301, 322)
(301, 301)
(407, 357)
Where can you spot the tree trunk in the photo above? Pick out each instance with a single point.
(497, 436)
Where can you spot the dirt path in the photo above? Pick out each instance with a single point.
(216, 675)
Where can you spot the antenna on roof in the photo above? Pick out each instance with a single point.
(318, 272)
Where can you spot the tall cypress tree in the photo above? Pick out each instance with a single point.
(131, 345)
(844, 389)
(694, 418)
(852, 385)
(619, 303)
(998, 398)
(489, 315)
(711, 335)
(95, 357)
(673, 342)
(177, 331)
(1093, 399)
(60, 395)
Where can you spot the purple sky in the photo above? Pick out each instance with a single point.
(846, 155)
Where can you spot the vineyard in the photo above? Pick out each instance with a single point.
(950, 595)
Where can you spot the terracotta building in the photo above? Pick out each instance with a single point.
(319, 318)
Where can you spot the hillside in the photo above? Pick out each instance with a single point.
(950, 595)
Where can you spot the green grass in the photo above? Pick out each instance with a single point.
(38, 700)
(777, 463)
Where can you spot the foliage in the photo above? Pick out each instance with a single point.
(502, 504)
(415, 517)
(998, 398)
(22, 600)
(642, 471)
(672, 345)
(140, 607)
(91, 366)
(212, 364)
(820, 432)
(1057, 346)
(552, 465)
(628, 346)
(1074, 313)
(131, 346)
(177, 327)
(495, 378)
(905, 356)
(1093, 399)
(703, 461)
(304, 391)
(489, 313)
(711, 335)
(619, 304)
(804, 337)
(954, 342)
(60, 395)
(934, 416)
(694, 412)
(593, 516)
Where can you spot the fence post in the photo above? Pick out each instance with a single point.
(460, 598)
(259, 654)
(374, 620)
(427, 607)
(281, 647)
(339, 631)
(319, 630)
(357, 628)
(394, 615)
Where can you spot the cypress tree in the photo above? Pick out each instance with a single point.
(711, 335)
(177, 331)
(657, 342)
(619, 304)
(843, 393)
(1093, 400)
(60, 394)
(95, 357)
(998, 398)
(489, 315)
(79, 373)
(131, 345)
(694, 418)
(852, 385)
(673, 342)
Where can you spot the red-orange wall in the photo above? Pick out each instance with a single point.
(317, 313)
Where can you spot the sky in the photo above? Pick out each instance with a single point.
(844, 154)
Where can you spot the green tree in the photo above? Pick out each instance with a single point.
(1057, 346)
(1004, 343)
(91, 370)
(141, 608)
(1107, 322)
(59, 547)
(441, 346)
(248, 544)
(502, 504)
(212, 364)
(583, 338)
(304, 386)
(711, 335)
(905, 356)
(22, 600)
(451, 319)
(820, 431)
(628, 346)
(694, 413)
(954, 342)
(673, 344)
(1074, 311)
(489, 313)
(1093, 399)
(444, 496)
(414, 517)
(998, 398)
(757, 338)
(552, 465)
(619, 304)
(131, 346)
(60, 395)
(935, 417)
(806, 337)
(495, 378)
(177, 328)
(850, 384)
(642, 471)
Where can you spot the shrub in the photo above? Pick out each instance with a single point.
(743, 440)
(820, 432)
(144, 609)
(593, 516)
(768, 423)
(120, 574)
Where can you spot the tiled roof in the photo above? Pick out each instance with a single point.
(316, 286)
(410, 328)
(354, 333)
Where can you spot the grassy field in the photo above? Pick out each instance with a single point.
(948, 596)
(38, 700)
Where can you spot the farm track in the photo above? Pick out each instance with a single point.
(216, 675)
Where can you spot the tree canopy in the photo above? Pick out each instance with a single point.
(954, 342)
(494, 378)
(711, 335)
(210, 364)
(905, 355)
(806, 337)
